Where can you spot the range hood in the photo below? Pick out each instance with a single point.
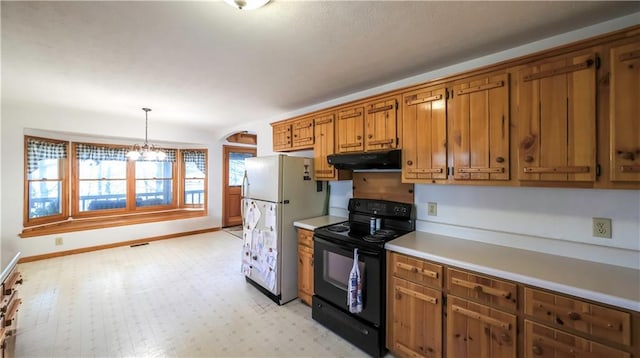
(386, 160)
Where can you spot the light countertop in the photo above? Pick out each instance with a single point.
(320, 221)
(613, 285)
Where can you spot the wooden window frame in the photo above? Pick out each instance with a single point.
(64, 190)
(72, 219)
(183, 179)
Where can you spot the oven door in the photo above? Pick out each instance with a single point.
(332, 266)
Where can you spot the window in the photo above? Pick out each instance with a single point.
(45, 186)
(236, 167)
(102, 178)
(107, 186)
(195, 177)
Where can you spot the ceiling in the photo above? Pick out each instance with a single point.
(208, 65)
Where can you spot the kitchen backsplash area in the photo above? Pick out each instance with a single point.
(550, 220)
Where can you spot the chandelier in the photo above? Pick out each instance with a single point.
(247, 4)
(146, 151)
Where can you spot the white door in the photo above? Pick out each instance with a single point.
(263, 178)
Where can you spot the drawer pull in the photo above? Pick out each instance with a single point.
(350, 145)
(408, 351)
(480, 317)
(423, 272)
(630, 168)
(414, 294)
(481, 288)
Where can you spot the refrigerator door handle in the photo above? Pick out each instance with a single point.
(245, 181)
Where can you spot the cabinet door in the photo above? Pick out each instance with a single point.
(350, 130)
(381, 125)
(281, 137)
(557, 119)
(542, 341)
(305, 273)
(417, 320)
(475, 330)
(479, 128)
(302, 133)
(324, 145)
(624, 108)
(424, 135)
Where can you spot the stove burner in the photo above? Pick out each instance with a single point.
(380, 236)
(338, 228)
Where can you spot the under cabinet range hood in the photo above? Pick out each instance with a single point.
(385, 160)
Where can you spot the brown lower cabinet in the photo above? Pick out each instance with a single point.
(305, 265)
(438, 311)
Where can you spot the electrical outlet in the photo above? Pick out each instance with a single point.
(432, 209)
(59, 241)
(602, 227)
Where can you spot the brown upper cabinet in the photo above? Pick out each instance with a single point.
(324, 145)
(350, 131)
(557, 119)
(624, 108)
(281, 136)
(381, 124)
(424, 123)
(293, 135)
(478, 119)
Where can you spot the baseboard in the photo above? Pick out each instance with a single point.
(115, 244)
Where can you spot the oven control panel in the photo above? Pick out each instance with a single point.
(377, 207)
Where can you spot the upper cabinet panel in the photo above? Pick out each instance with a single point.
(281, 137)
(381, 129)
(303, 133)
(424, 121)
(557, 119)
(478, 119)
(624, 109)
(350, 130)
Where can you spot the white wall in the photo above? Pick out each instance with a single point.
(65, 124)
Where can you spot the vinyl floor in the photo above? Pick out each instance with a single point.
(182, 297)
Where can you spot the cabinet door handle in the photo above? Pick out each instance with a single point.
(351, 145)
(414, 269)
(480, 317)
(481, 288)
(480, 170)
(351, 115)
(499, 160)
(557, 71)
(379, 109)
(630, 168)
(414, 294)
(576, 169)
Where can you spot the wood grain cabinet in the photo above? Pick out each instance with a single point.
(281, 136)
(478, 118)
(424, 135)
(481, 315)
(293, 135)
(414, 307)
(350, 130)
(10, 304)
(381, 124)
(556, 104)
(624, 108)
(561, 320)
(324, 145)
(305, 265)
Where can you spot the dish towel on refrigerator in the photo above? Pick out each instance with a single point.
(354, 293)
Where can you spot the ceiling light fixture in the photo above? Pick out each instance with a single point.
(146, 151)
(247, 4)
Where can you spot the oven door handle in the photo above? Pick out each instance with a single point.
(348, 248)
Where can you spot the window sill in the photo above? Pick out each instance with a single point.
(103, 222)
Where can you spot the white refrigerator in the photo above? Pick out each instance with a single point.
(277, 190)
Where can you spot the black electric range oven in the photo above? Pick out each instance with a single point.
(371, 224)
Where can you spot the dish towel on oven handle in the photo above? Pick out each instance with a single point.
(354, 293)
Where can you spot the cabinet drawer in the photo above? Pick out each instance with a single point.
(492, 291)
(305, 237)
(595, 320)
(543, 341)
(416, 270)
